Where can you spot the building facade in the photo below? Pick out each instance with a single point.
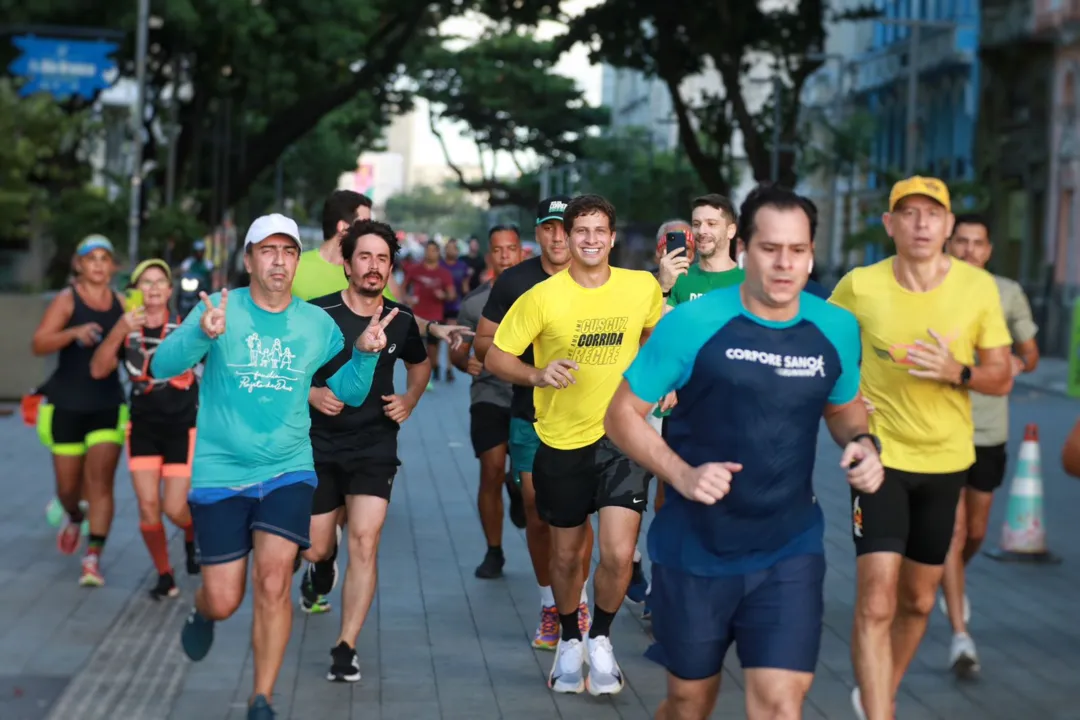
(938, 40)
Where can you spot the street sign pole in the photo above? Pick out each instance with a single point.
(138, 113)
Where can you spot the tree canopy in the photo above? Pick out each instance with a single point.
(505, 93)
(448, 210)
(742, 42)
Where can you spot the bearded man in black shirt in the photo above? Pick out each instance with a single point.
(355, 448)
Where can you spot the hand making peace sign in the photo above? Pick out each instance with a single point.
(213, 318)
(373, 339)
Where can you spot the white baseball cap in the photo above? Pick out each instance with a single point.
(273, 224)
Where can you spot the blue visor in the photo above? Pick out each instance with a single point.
(95, 242)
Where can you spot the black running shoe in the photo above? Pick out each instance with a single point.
(192, 564)
(492, 566)
(344, 666)
(166, 587)
(517, 502)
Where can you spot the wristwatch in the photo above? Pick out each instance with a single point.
(871, 437)
(965, 375)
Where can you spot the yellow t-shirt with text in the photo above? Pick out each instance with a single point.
(925, 426)
(598, 328)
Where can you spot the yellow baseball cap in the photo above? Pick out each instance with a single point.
(146, 265)
(918, 185)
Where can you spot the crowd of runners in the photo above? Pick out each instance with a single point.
(264, 426)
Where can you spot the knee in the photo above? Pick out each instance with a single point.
(914, 601)
(272, 582)
(686, 706)
(976, 531)
(221, 602)
(876, 607)
(149, 511)
(617, 559)
(322, 547)
(177, 511)
(778, 706)
(363, 546)
(566, 557)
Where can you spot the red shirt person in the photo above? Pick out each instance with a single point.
(429, 285)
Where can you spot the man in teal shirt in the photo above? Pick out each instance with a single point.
(253, 476)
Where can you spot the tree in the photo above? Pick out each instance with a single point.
(449, 210)
(732, 38)
(504, 90)
(646, 185)
(263, 74)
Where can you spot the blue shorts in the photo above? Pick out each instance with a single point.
(774, 617)
(524, 442)
(223, 529)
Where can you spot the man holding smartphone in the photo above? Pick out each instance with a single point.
(713, 222)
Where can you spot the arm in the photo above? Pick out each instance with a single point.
(352, 381)
(627, 427)
(459, 356)
(506, 366)
(848, 420)
(417, 376)
(51, 336)
(1070, 454)
(107, 355)
(1028, 352)
(521, 326)
(183, 348)
(485, 338)
(448, 284)
(993, 375)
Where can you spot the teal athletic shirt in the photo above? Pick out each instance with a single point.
(253, 420)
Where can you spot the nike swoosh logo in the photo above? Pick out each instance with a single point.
(638, 500)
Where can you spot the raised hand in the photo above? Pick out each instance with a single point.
(373, 339)
(213, 318)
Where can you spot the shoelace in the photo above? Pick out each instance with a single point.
(549, 622)
(601, 655)
(570, 656)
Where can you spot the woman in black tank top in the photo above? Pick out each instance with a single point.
(83, 418)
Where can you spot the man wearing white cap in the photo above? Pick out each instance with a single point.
(253, 476)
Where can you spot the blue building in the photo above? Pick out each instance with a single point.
(948, 91)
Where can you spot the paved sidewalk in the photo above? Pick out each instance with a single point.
(442, 644)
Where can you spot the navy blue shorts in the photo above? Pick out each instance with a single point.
(773, 616)
(223, 529)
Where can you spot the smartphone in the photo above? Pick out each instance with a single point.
(674, 241)
(134, 300)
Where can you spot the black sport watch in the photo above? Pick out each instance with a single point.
(965, 375)
(871, 437)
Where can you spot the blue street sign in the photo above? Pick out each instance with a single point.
(62, 67)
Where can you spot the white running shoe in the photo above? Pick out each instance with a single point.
(567, 674)
(963, 658)
(605, 675)
(944, 607)
(856, 703)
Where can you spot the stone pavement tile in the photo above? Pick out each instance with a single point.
(440, 643)
(29, 697)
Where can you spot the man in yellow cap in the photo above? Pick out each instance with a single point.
(932, 330)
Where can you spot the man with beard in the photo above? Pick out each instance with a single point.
(713, 222)
(355, 448)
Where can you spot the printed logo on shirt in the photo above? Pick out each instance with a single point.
(898, 352)
(269, 366)
(786, 365)
(598, 341)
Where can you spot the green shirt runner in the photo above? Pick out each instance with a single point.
(696, 282)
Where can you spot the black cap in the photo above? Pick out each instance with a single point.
(552, 208)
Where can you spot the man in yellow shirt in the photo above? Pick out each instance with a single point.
(585, 325)
(925, 320)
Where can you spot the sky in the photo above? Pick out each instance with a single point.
(574, 63)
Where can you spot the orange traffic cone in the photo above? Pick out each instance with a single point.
(1023, 536)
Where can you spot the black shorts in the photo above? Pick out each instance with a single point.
(72, 432)
(573, 484)
(911, 514)
(988, 472)
(340, 478)
(159, 446)
(489, 427)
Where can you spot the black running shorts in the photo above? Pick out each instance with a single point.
(489, 426)
(344, 477)
(988, 472)
(911, 514)
(572, 484)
